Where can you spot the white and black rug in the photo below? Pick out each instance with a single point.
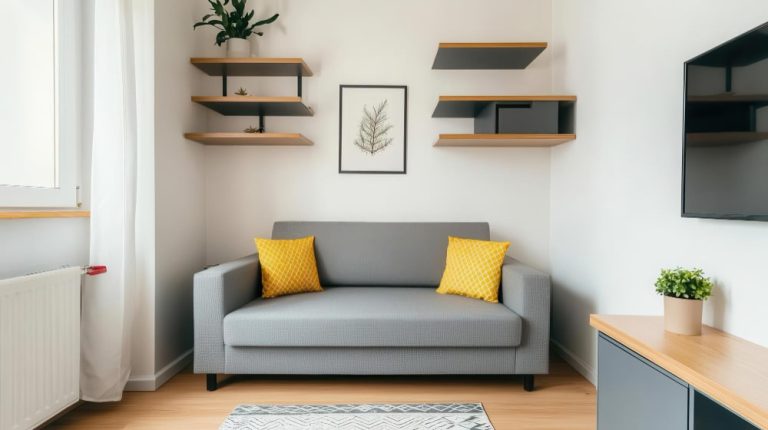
(411, 416)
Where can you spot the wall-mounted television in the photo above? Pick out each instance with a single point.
(725, 143)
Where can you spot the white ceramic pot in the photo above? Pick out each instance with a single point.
(238, 48)
(682, 316)
(254, 47)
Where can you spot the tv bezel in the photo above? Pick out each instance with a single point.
(683, 213)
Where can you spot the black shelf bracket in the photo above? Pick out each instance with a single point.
(224, 80)
(298, 83)
(261, 124)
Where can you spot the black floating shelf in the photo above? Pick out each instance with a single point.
(486, 56)
(255, 106)
(470, 106)
(739, 52)
(252, 66)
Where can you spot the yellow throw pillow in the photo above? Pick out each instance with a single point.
(473, 268)
(288, 266)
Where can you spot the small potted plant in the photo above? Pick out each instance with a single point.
(684, 293)
(234, 25)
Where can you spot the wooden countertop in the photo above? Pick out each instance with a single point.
(727, 368)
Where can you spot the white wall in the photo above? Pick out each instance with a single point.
(615, 192)
(179, 180)
(393, 42)
(36, 245)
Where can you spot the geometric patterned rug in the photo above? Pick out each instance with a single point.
(410, 416)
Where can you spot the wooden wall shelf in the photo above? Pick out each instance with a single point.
(249, 139)
(503, 140)
(486, 56)
(470, 106)
(260, 66)
(255, 106)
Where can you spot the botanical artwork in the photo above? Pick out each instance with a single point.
(372, 128)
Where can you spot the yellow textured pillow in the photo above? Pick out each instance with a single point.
(473, 268)
(288, 266)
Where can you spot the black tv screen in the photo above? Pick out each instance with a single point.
(725, 149)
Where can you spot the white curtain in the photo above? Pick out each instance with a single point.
(109, 299)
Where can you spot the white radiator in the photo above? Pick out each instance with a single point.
(39, 347)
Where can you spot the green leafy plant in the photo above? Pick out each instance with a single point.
(251, 129)
(684, 284)
(232, 23)
(242, 92)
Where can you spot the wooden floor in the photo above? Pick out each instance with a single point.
(562, 400)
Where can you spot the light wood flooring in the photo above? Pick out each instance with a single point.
(562, 400)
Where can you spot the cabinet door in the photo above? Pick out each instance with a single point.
(634, 394)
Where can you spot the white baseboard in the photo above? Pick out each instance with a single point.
(585, 369)
(153, 382)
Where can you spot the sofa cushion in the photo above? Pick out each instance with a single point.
(473, 268)
(288, 266)
(373, 317)
(403, 254)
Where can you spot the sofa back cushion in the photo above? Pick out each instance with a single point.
(380, 253)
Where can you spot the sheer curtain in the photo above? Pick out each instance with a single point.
(108, 303)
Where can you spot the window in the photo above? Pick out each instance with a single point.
(39, 103)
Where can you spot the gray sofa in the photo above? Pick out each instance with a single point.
(379, 313)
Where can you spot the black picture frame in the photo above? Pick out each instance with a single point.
(405, 130)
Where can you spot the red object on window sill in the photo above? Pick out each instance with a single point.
(95, 270)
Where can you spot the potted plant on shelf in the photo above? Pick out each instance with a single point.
(234, 25)
(684, 293)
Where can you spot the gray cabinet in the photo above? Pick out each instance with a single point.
(635, 394)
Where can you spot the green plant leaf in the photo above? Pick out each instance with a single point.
(233, 23)
(221, 37)
(269, 20)
(684, 283)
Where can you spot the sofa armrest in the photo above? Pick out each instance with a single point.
(218, 291)
(526, 291)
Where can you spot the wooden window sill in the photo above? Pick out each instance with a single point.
(44, 214)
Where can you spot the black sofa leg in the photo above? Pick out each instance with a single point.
(210, 382)
(528, 382)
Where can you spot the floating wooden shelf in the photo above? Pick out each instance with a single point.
(255, 106)
(252, 66)
(486, 56)
(726, 138)
(470, 106)
(503, 140)
(253, 139)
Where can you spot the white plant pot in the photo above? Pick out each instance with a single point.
(238, 48)
(254, 47)
(682, 316)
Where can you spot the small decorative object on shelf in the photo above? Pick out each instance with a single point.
(234, 25)
(684, 292)
(251, 129)
(241, 92)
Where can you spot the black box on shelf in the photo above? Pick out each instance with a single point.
(527, 117)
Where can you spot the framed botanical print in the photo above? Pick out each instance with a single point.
(373, 128)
